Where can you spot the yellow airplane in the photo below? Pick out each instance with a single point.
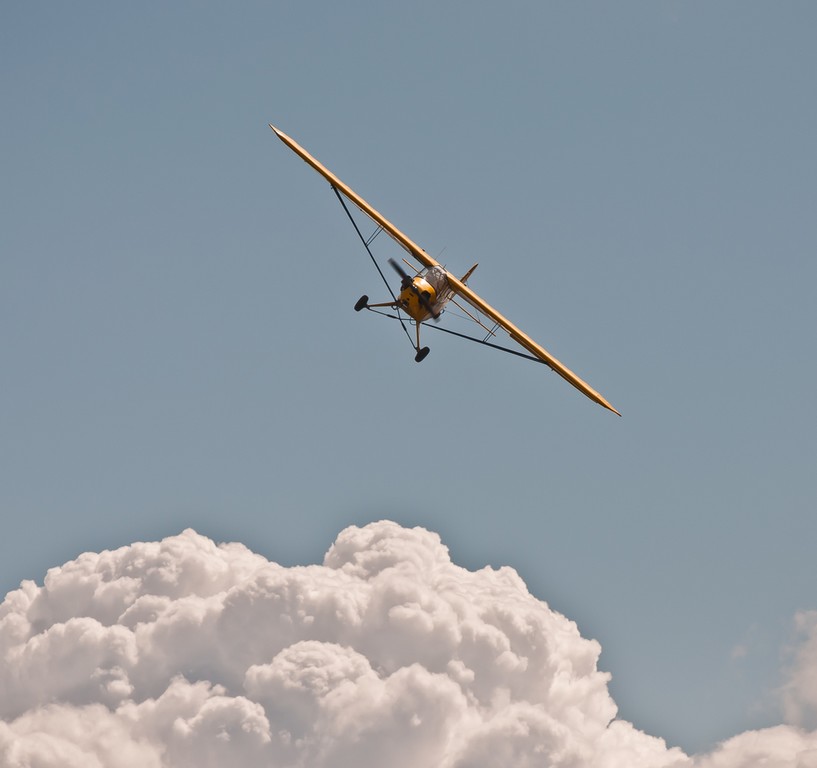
(425, 295)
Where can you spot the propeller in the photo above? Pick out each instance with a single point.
(407, 282)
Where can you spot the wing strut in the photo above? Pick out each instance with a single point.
(471, 338)
(371, 256)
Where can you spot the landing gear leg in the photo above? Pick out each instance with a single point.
(422, 352)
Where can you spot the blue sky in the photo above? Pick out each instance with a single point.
(638, 184)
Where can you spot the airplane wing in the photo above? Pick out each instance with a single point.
(460, 288)
(526, 341)
(407, 243)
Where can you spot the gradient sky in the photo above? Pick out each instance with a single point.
(638, 184)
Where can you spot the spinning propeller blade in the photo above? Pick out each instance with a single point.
(405, 280)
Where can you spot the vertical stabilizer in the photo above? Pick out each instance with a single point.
(468, 274)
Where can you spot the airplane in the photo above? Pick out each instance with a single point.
(424, 295)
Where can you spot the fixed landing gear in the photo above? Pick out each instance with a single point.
(421, 352)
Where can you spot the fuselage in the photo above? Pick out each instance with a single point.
(427, 294)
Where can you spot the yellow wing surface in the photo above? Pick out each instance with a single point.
(456, 285)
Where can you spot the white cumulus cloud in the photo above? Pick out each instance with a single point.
(183, 652)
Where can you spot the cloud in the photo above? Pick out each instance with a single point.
(779, 747)
(183, 652)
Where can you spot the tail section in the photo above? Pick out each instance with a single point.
(468, 274)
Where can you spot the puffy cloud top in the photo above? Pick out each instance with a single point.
(183, 652)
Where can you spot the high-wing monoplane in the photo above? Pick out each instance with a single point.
(424, 295)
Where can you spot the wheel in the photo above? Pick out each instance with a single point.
(421, 354)
(361, 303)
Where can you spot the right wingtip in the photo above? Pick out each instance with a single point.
(604, 404)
